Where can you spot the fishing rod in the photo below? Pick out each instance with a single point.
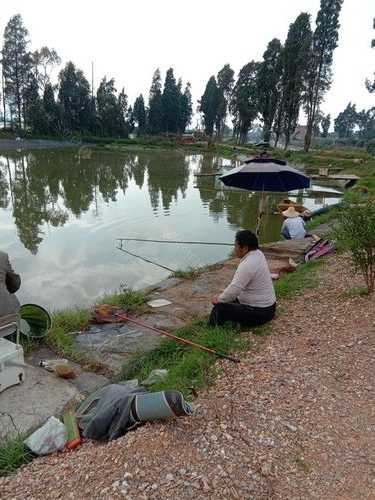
(219, 354)
(179, 242)
(144, 259)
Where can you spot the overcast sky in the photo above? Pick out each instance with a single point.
(128, 40)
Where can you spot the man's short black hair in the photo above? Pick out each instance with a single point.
(246, 238)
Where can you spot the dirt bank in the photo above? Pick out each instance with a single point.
(294, 420)
(30, 144)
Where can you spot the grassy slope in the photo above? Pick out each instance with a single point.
(190, 368)
(65, 322)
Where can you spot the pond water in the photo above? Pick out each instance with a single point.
(61, 212)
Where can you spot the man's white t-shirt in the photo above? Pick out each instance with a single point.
(252, 283)
(295, 227)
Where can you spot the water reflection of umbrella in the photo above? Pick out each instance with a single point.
(265, 174)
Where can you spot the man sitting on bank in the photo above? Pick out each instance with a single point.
(250, 298)
(293, 226)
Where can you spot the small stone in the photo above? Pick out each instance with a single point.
(182, 472)
(116, 484)
(169, 477)
(154, 486)
(205, 485)
(266, 469)
(291, 427)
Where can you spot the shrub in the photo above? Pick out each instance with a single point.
(355, 233)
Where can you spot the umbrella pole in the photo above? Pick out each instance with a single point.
(260, 213)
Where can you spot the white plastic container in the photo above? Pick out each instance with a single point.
(12, 362)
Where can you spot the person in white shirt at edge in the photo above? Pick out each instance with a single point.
(250, 298)
(293, 226)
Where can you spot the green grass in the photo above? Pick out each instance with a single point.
(303, 278)
(187, 367)
(194, 272)
(131, 300)
(324, 218)
(60, 337)
(191, 368)
(64, 323)
(13, 453)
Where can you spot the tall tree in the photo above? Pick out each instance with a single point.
(51, 109)
(139, 114)
(109, 112)
(366, 124)
(186, 109)
(209, 104)
(16, 64)
(155, 105)
(34, 113)
(325, 124)
(170, 103)
(43, 61)
(245, 102)
(319, 74)
(346, 121)
(123, 110)
(295, 63)
(75, 99)
(269, 85)
(225, 82)
(130, 124)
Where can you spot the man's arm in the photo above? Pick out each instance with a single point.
(239, 282)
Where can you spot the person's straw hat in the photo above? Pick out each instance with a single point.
(291, 212)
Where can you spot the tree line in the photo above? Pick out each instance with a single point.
(32, 102)
(292, 76)
(351, 123)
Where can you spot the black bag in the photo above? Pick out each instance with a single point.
(12, 281)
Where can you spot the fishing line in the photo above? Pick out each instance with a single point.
(144, 259)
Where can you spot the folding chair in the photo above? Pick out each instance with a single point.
(12, 363)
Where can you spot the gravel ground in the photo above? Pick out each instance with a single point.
(295, 420)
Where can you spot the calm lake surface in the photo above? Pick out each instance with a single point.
(61, 212)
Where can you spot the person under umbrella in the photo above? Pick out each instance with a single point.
(264, 175)
(250, 298)
(293, 226)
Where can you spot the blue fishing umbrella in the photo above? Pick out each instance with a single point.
(265, 174)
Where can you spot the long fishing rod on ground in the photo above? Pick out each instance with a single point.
(219, 354)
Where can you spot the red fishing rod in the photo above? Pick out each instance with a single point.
(125, 317)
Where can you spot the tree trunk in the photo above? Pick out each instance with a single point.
(243, 135)
(266, 132)
(287, 140)
(313, 105)
(308, 136)
(4, 107)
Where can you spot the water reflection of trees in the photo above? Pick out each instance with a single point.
(164, 182)
(45, 187)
